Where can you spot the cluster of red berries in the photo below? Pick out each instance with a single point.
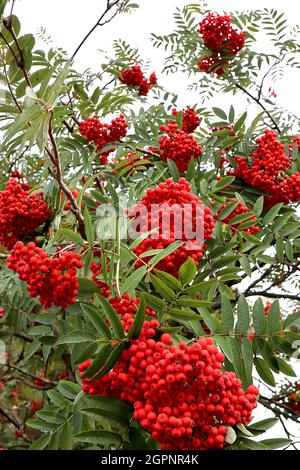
(178, 146)
(20, 213)
(172, 212)
(52, 279)
(267, 171)
(135, 77)
(103, 134)
(239, 209)
(2, 313)
(112, 384)
(221, 39)
(179, 393)
(190, 119)
(126, 307)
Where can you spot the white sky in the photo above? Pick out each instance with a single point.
(68, 21)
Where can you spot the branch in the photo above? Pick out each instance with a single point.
(280, 414)
(273, 295)
(146, 152)
(8, 82)
(55, 159)
(11, 419)
(12, 7)
(264, 77)
(109, 6)
(283, 409)
(23, 336)
(257, 281)
(257, 100)
(48, 383)
(20, 61)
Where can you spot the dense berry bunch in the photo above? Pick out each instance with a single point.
(220, 37)
(135, 77)
(267, 170)
(120, 381)
(20, 212)
(2, 313)
(126, 307)
(268, 164)
(179, 393)
(52, 279)
(190, 119)
(238, 210)
(188, 402)
(102, 134)
(178, 146)
(174, 213)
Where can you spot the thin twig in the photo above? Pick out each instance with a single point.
(272, 295)
(109, 6)
(54, 157)
(264, 77)
(240, 87)
(49, 383)
(9, 84)
(11, 419)
(141, 150)
(20, 61)
(261, 278)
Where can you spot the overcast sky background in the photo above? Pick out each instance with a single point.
(68, 21)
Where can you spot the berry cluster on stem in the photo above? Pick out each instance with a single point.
(135, 77)
(51, 278)
(103, 134)
(222, 40)
(179, 393)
